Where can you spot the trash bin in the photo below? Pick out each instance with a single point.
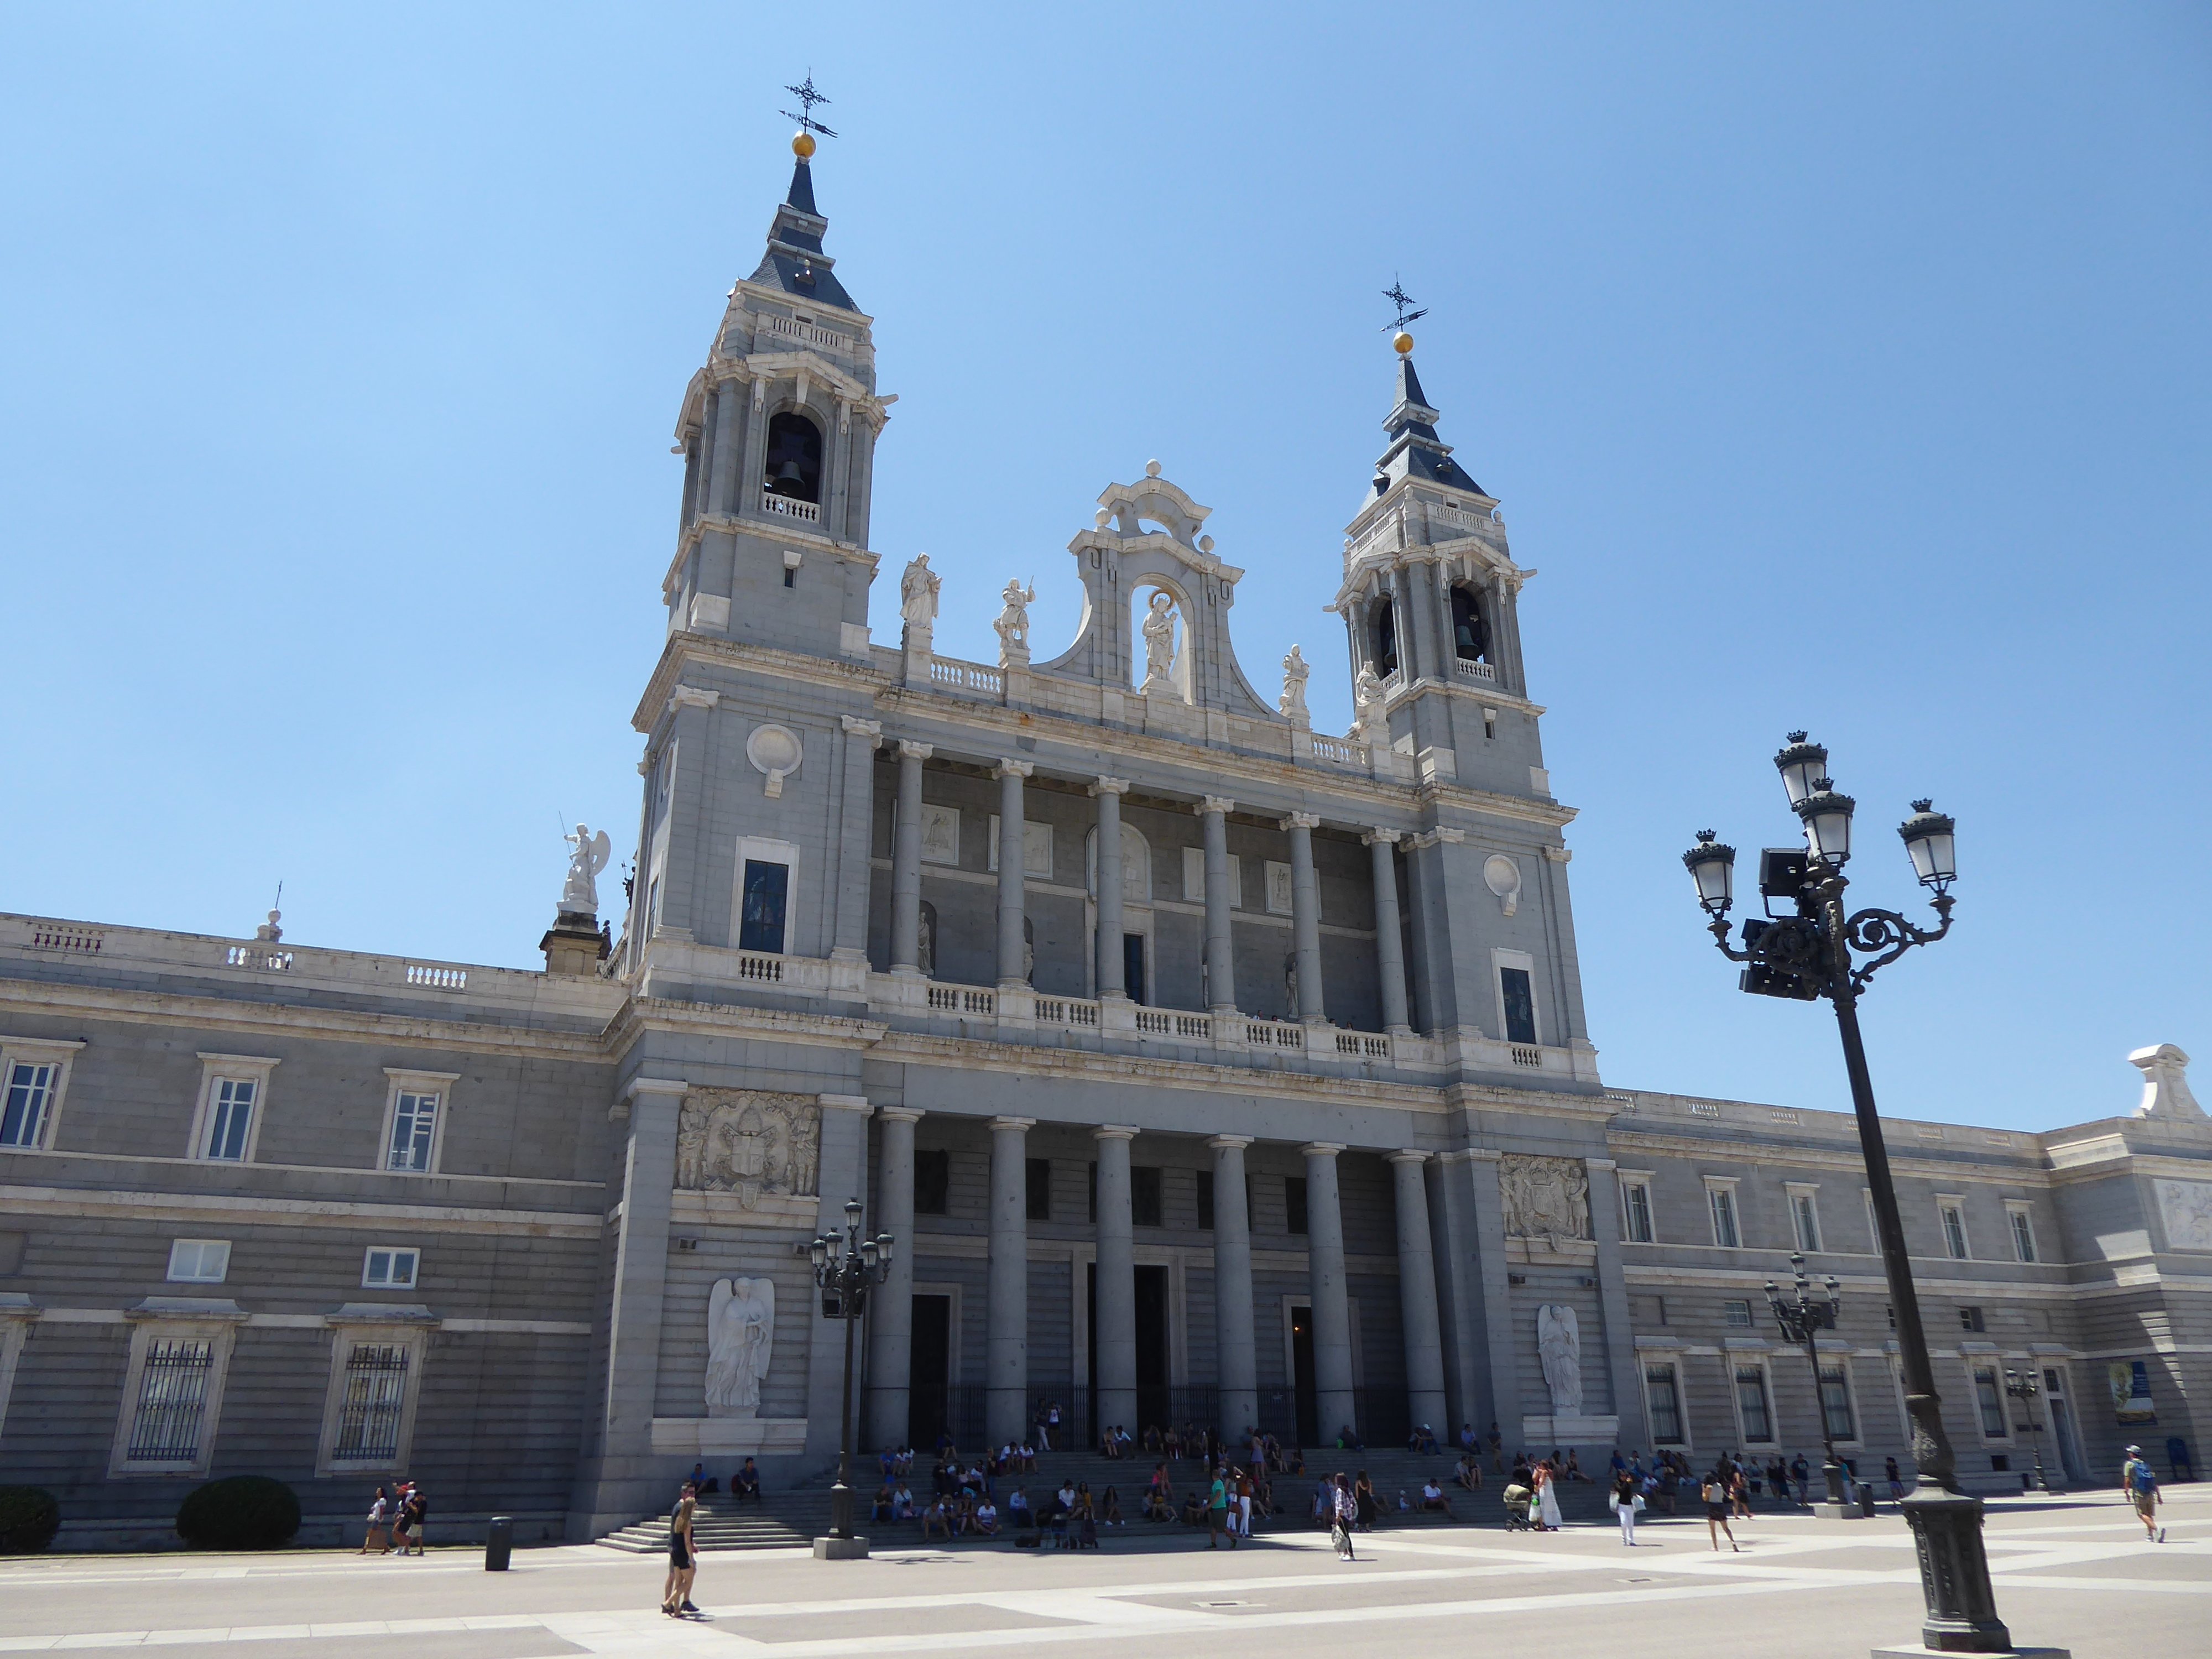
(499, 1543)
(1866, 1498)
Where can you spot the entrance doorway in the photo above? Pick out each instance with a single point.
(1155, 1398)
(2062, 1426)
(1132, 966)
(929, 1377)
(1302, 1375)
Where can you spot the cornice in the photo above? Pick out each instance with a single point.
(1735, 1148)
(640, 1015)
(775, 529)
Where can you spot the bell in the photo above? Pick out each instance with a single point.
(787, 480)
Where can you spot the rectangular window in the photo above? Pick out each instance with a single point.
(414, 1131)
(172, 1404)
(1737, 1313)
(1836, 1403)
(1970, 1319)
(1990, 1398)
(1955, 1232)
(384, 1268)
(371, 1404)
(1520, 999)
(1206, 1201)
(1665, 1400)
(1144, 1197)
(230, 1116)
(1725, 1229)
(1807, 1221)
(2023, 1235)
(932, 1181)
(1637, 1196)
(199, 1260)
(1294, 1204)
(1038, 1172)
(23, 1109)
(760, 925)
(1751, 1404)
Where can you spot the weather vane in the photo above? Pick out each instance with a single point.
(808, 98)
(1397, 296)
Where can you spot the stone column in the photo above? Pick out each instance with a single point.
(890, 1312)
(1108, 792)
(856, 832)
(729, 417)
(1613, 1302)
(844, 1175)
(1390, 944)
(684, 874)
(1505, 1402)
(1459, 1290)
(1237, 1379)
(1220, 951)
(1009, 774)
(1113, 1338)
(1305, 915)
(1332, 1310)
(1006, 1339)
(905, 860)
(1447, 641)
(1416, 1297)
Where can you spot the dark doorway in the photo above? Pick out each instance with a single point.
(930, 1371)
(1132, 966)
(1155, 1399)
(1301, 1376)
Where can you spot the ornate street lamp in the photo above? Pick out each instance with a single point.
(1802, 1318)
(1810, 952)
(2025, 1387)
(847, 1267)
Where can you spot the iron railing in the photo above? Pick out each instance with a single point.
(375, 1400)
(172, 1401)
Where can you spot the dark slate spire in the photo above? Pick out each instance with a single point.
(794, 261)
(1415, 451)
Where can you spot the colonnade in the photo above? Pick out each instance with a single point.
(1221, 900)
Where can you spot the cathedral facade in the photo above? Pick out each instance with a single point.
(1206, 1068)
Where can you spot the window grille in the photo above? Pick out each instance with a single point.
(414, 1129)
(369, 1410)
(1992, 1404)
(1751, 1403)
(172, 1401)
(1666, 1405)
(23, 1116)
(1836, 1403)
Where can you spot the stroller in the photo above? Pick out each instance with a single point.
(1518, 1499)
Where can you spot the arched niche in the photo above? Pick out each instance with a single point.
(792, 464)
(1470, 623)
(1136, 865)
(1180, 663)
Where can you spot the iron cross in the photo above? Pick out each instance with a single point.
(1397, 295)
(808, 98)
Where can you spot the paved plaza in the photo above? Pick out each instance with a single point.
(2072, 1572)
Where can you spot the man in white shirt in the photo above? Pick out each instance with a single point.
(987, 1518)
(1433, 1497)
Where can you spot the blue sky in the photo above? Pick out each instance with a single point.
(1843, 368)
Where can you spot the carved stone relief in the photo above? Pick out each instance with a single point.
(740, 1337)
(2187, 1207)
(748, 1142)
(1559, 1348)
(1544, 1197)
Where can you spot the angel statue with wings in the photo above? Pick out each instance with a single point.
(580, 894)
(740, 1333)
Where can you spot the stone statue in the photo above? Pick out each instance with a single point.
(740, 1335)
(1544, 1197)
(1290, 984)
(749, 1142)
(1013, 623)
(580, 894)
(918, 594)
(1559, 1348)
(1366, 695)
(1159, 642)
(1292, 707)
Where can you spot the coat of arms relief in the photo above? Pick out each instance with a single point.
(748, 1142)
(1545, 1198)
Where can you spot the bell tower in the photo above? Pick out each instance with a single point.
(778, 434)
(1430, 601)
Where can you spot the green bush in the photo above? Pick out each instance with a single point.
(245, 1512)
(29, 1518)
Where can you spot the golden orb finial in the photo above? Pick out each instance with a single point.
(1403, 343)
(802, 144)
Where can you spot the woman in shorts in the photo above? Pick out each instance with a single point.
(1714, 1492)
(682, 1561)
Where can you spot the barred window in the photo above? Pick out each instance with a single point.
(1665, 1402)
(1836, 1403)
(172, 1406)
(1991, 1402)
(414, 1129)
(1751, 1404)
(369, 1408)
(23, 1109)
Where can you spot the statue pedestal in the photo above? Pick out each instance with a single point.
(1539, 1434)
(572, 945)
(841, 1549)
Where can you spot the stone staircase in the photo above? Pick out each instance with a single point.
(795, 1517)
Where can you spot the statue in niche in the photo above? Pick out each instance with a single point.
(1013, 623)
(1159, 643)
(580, 893)
(1544, 1197)
(740, 1336)
(925, 942)
(1291, 984)
(918, 594)
(1559, 1349)
(1292, 707)
(749, 1142)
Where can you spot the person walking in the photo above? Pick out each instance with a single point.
(1216, 1513)
(379, 1525)
(1715, 1490)
(1547, 1495)
(682, 1563)
(402, 1514)
(2141, 1486)
(1345, 1509)
(1896, 1481)
(1626, 1500)
(418, 1513)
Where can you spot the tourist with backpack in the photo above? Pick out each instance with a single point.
(2141, 1488)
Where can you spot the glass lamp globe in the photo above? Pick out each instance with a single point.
(1827, 815)
(1802, 765)
(1712, 864)
(1928, 839)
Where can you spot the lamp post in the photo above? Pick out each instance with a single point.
(1809, 953)
(2025, 1387)
(847, 1267)
(1802, 1318)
